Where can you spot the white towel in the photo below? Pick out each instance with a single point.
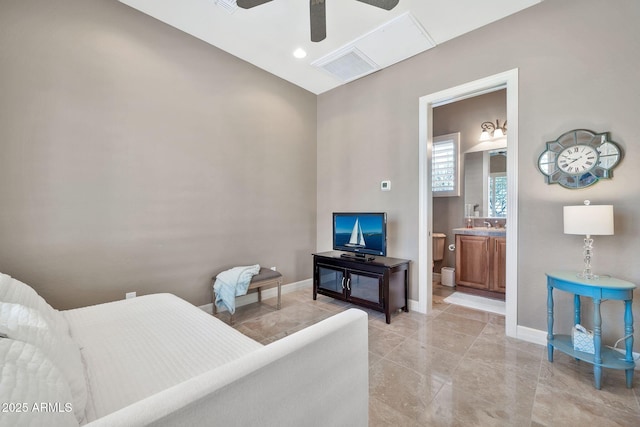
(231, 283)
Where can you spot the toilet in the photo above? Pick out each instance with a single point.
(439, 240)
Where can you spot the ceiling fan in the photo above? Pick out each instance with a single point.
(318, 13)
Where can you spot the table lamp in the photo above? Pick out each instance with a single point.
(589, 220)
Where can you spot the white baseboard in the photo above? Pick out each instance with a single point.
(267, 293)
(531, 335)
(414, 306)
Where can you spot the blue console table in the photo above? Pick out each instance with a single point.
(600, 289)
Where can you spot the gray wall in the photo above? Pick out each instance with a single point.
(137, 158)
(574, 72)
(465, 117)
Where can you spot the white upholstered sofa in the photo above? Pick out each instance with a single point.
(158, 360)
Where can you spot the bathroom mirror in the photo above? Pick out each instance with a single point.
(485, 183)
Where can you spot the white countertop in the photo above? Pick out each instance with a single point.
(482, 231)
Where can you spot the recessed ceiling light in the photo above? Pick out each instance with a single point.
(299, 53)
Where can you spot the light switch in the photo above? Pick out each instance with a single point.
(385, 185)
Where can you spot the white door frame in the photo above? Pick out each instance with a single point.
(508, 79)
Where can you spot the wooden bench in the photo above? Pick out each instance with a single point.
(266, 278)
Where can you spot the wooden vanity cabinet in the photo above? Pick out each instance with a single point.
(499, 272)
(472, 261)
(481, 265)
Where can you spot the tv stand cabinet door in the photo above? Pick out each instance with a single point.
(365, 288)
(330, 281)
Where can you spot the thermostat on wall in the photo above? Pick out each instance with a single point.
(385, 185)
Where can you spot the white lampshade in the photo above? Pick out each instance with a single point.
(595, 220)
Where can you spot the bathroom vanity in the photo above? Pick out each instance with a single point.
(481, 255)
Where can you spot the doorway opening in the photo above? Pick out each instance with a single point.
(508, 80)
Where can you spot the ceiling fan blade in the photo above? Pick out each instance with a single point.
(248, 4)
(318, 15)
(382, 4)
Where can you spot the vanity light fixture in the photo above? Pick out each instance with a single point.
(589, 220)
(490, 131)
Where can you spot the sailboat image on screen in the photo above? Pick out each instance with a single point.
(357, 238)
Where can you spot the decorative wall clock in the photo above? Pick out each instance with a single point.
(579, 158)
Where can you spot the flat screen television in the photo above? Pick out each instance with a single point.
(360, 232)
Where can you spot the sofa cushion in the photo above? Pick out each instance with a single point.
(33, 389)
(29, 325)
(12, 290)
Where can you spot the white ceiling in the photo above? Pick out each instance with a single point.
(267, 35)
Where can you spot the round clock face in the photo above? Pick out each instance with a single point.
(579, 158)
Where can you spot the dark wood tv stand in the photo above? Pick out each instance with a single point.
(380, 283)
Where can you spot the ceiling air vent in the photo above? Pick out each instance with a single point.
(347, 64)
(229, 5)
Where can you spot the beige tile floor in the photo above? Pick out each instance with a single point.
(455, 367)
